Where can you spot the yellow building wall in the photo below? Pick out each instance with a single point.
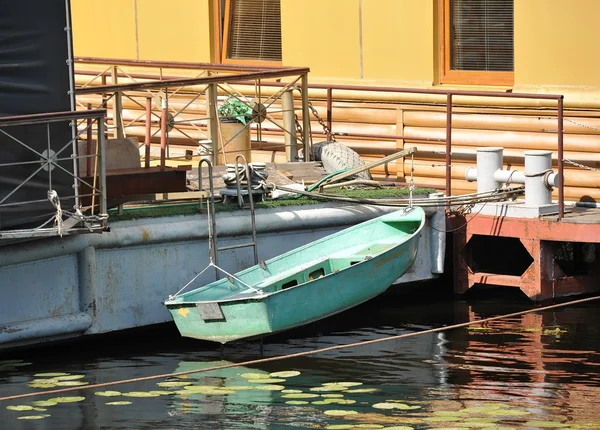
(104, 28)
(179, 32)
(323, 35)
(398, 40)
(142, 29)
(556, 42)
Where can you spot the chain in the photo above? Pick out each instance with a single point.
(411, 184)
(326, 129)
(582, 125)
(576, 164)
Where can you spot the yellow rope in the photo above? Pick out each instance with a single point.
(300, 354)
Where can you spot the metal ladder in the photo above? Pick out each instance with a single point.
(213, 249)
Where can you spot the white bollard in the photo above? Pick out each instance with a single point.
(537, 164)
(488, 161)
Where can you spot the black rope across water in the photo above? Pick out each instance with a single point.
(300, 354)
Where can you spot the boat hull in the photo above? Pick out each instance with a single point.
(370, 274)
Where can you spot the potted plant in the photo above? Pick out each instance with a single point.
(234, 116)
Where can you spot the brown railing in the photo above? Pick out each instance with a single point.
(448, 95)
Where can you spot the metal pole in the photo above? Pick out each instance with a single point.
(561, 178)
(163, 134)
(306, 119)
(148, 131)
(213, 119)
(329, 112)
(289, 126)
(117, 107)
(449, 145)
(102, 155)
(89, 164)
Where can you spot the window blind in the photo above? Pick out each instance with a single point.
(254, 30)
(482, 35)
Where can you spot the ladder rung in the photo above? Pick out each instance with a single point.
(241, 245)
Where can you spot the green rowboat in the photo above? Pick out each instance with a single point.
(303, 285)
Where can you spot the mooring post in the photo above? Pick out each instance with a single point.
(537, 165)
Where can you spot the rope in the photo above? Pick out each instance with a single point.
(491, 196)
(300, 354)
(58, 217)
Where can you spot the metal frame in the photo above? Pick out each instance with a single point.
(80, 221)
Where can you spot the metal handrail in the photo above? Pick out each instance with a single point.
(449, 94)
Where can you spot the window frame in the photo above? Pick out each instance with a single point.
(464, 77)
(223, 35)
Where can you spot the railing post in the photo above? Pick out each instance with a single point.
(213, 119)
(148, 138)
(329, 112)
(289, 123)
(90, 160)
(117, 107)
(561, 178)
(306, 119)
(102, 161)
(163, 134)
(449, 145)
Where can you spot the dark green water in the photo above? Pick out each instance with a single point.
(533, 371)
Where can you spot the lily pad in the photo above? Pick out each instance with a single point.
(50, 374)
(44, 403)
(344, 384)
(330, 388)
(255, 375)
(332, 395)
(399, 428)
(296, 402)
(339, 412)
(140, 394)
(162, 392)
(270, 387)
(173, 384)
(121, 403)
(291, 391)
(33, 417)
(369, 426)
(339, 426)
(108, 393)
(362, 390)
(266, 381)
(68, 399)
(320, 402)
(42, 386)
(300, 395)
(71, 383)
(40, 409)
(19, 408)
(68, 377)
(284, 374)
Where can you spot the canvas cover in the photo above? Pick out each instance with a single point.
(35, 74)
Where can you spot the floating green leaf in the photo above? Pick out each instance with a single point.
(121, 403)
(254, 375)
(44, 403)
(296, 402)
(40, 409)
(33, 417)
(300, 395)
(140, 394)
(343, 384)
(173, 384)
(339, 426)
(108, 393)
(19, 408)
(291, 391)
(332, 395)
(162, 393)
(71, 383)
(284, 374)
(265, 381)
(50, 374)
(270, 387)
(339, 412)
(68, 399)
(362, 390)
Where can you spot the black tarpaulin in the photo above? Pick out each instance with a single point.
(34, 78)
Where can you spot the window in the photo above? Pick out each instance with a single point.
(477, 42)
(252, 32)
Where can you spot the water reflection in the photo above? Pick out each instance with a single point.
(533, 371)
